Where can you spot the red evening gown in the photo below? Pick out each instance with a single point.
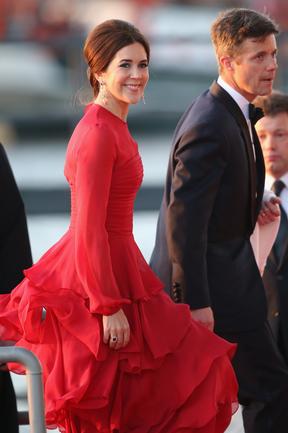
(174, 376)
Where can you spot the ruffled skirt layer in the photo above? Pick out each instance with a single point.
(174, 376)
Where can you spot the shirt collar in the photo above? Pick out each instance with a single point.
(238, 98)
(269, 180)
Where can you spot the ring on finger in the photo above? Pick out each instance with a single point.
(114, 338)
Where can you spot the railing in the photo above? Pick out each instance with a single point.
(34, 384)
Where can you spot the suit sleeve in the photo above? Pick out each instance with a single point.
(199, 161)
(95, 162)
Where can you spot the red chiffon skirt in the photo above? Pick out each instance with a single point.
(174, 376)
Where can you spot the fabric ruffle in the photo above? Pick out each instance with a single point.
(174, 373)
(56, 270)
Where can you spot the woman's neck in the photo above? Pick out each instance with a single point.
(118, 109)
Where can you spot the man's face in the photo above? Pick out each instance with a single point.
(253, 68)
(273, 136)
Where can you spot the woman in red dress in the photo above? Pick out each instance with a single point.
(118, 355)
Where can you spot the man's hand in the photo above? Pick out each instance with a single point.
(270, 211)
(204, 316)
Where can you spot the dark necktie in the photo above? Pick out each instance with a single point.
(281, 240)
(277, 187)
(255, 113)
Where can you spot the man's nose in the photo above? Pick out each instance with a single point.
(270, 143)
(273, 65)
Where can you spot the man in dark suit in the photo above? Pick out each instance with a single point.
(15, 255)
(212, 200)
(272, 131)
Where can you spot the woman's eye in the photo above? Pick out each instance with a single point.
(143, 65)
(124, 65)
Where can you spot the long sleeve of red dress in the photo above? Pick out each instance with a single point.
(96, 158)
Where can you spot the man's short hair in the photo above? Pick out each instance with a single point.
(273, 104)
(233, 26)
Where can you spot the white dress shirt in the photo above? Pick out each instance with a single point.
(242, 102)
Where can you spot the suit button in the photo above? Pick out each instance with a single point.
(174, 296)
(276, 314)
(176, 292)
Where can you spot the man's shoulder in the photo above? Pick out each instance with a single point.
(203, 110)
(206, 105)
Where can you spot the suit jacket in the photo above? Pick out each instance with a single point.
(275, 279)
(211, 201)
(15, 252)
(15, 255)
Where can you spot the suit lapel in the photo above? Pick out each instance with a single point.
(272, 257)
(260, 171)
(236, 112)
(280, 248)
(284, 257)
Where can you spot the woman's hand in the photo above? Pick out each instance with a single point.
(116, 330)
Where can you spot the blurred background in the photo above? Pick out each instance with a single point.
(43, 90)
(43, 75)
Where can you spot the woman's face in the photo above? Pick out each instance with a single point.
(126, 75)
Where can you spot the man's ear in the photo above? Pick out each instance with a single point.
(226, 63)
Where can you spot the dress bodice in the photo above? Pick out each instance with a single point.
(125, 183)
(101, 259)
(125, 177)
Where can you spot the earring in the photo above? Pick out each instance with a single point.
(103, 92)
(143, 99)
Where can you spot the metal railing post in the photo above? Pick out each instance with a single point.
(34, 383)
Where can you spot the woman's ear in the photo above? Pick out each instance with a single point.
(100, 77)
(97, 77)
